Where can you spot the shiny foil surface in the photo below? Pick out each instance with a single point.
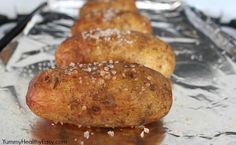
(204, 81)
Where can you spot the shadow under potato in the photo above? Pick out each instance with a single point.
(72, 135)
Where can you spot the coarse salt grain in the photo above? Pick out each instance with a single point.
(123, 74)
(142, 134)
(94, 68)
(110, 133)
(84, 107)
(110, 61)
(108, 76)
(110, 66)
(129, 42)
(86, 134)
(142, 89)
(100, 64)
(132, 65)
(106, 68)
(72, 64)
(87, 69)
(146, 130)
(149, 78)
(102, 73)
(148, 84)
(113, 72)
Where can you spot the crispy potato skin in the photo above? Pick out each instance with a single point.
(101, 95)
(131, 46)
(102, 5)
(112, 19)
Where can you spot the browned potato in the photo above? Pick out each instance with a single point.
(128, 46)
(101, 95)
(112, 19)
(103, 5)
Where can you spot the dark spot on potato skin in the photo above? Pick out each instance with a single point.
(47, 79)
(74, 104)
(149, 106)
(152, 87)
(108, 101)
(130, 75)
(56, 83)
(95, 109)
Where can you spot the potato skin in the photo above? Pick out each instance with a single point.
(103, 5)
(128, 46)
(100, 95)
(112, 19)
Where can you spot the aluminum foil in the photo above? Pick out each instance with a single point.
(204, 89)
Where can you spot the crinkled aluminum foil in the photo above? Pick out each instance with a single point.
(204, 81)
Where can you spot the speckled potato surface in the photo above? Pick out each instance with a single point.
(103, 5)
(128, 46)
(108, 94)
(112, 19)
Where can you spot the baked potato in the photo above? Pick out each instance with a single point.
(106, 94)
(128, 46)
(112, 19)
(103, 5)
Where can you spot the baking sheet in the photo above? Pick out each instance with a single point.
(204, 81)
